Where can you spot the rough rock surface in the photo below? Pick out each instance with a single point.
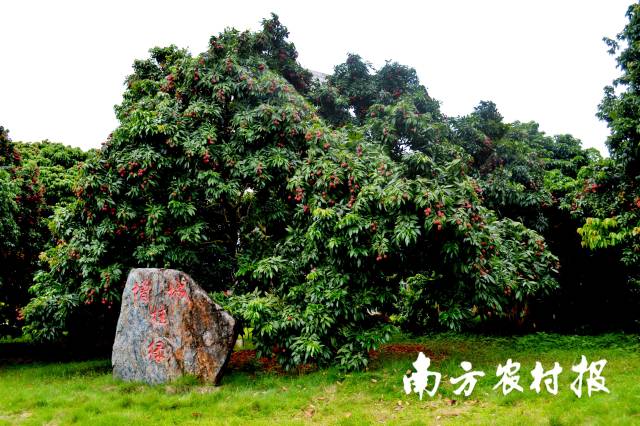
(169, 327)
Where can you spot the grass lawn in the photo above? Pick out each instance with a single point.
(85, 392)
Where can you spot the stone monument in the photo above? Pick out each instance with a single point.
(169, 327)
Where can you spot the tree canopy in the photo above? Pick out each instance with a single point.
(321, 230)
(323, 213)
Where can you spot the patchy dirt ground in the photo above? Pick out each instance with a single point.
(246, 360)
(402, 349)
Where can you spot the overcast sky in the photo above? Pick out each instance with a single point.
(64, 63)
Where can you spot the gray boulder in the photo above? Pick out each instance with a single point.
(169, 327)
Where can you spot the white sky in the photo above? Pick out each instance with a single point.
(64, 63)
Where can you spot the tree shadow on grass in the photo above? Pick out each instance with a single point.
(30, 352)
(49, 370)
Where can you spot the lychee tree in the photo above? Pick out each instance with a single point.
(365, 232)
(314, 236)
(196, 171)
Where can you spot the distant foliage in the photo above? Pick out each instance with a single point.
(34, 178)
(611, 201)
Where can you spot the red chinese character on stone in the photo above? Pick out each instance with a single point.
(136, 290)
(155, 350)
(177, 290)
(142, 291)
(146, 291)
(158, 315)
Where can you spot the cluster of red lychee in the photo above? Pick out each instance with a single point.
(353, 188)
(382, 170)
(110, 210)
(273, 86)
(170, 84)
(299, 195)
(216, 45)
(485, 248)
(206, 157)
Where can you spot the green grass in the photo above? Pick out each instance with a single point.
(85, 392)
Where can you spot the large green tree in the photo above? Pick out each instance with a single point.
(318, 232)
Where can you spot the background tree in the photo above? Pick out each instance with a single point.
(611, 197)
(9, 209)
(548, 184)
(36, 178)
(390, 102)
